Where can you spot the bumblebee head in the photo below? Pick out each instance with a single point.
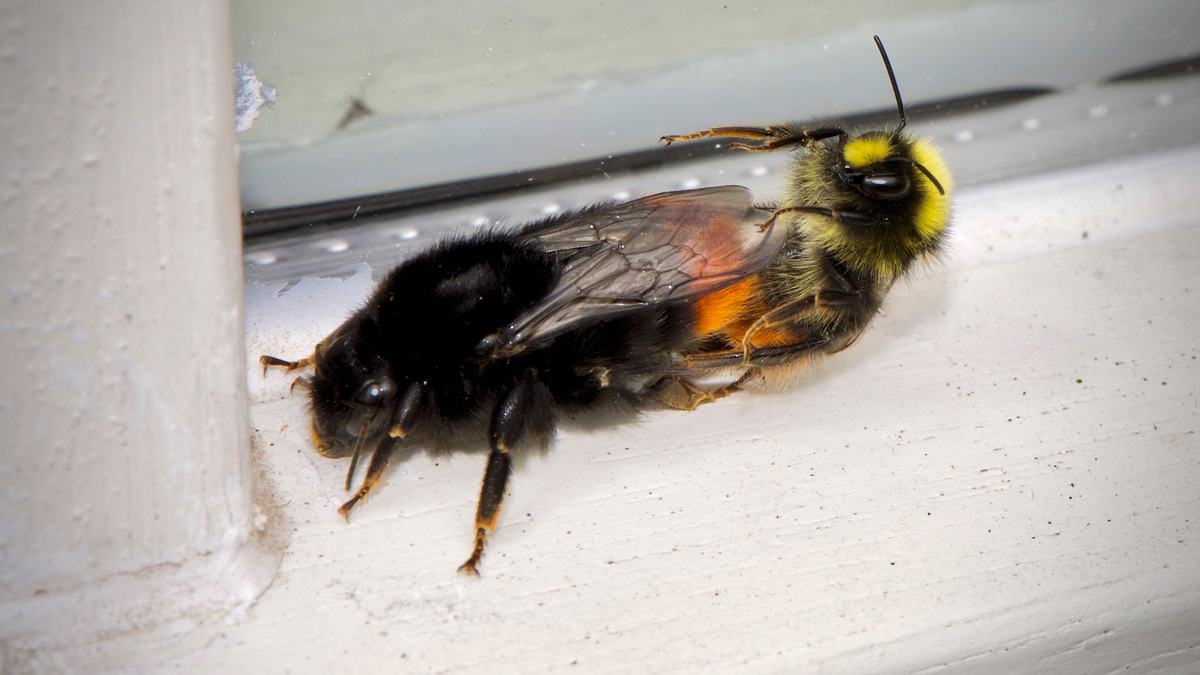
(881, 167)
(880, 201)
(884, 195)
(353, 392)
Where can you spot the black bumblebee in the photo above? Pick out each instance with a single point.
(624, 306)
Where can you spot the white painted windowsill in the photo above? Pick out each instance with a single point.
(1001, 477)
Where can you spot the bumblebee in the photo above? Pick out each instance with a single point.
(670, 301)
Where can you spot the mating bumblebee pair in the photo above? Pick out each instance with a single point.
(626, 306)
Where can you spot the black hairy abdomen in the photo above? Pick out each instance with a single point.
(428, 316)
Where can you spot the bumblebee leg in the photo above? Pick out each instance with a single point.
(763, 357)
(358, 448)
(791, 312)
(847, 217)
(303, 382)
(786, 137)
(786, 313)
(736, 385)
(495, 478)
(680, 393)
(527, 407)
(756, 133)
(406, 413)
(379, 462)
(775, 137)
(268, 361)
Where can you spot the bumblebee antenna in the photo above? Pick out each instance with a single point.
(358, 447)
(900, 108)
(928, 175)
(895, 88)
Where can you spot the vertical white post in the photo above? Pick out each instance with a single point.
(124, 479)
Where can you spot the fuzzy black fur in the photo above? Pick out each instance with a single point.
(423, 325)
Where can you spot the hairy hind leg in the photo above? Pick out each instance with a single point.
(526, 407)
(379, 462)
(680, 393)
(268, 361)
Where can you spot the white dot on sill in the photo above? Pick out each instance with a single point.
(262, 258)
(964, 136)
(1031, 124)
(759, 171)
(1164, 100)
(405, 233)
(690, 183)
(333, 245)
(479, 221)
(1097, 111)
(551, 209)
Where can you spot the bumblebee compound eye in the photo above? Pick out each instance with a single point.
(374, 393)
(340, 420)
(888, 186)
(368, 408)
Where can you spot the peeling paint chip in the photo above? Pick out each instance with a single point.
(252, 95)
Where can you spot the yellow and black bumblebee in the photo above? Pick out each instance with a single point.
(627, 306)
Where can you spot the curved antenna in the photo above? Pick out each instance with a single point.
(358, 448)
(895, 87)
(900, 108)
(928, 175)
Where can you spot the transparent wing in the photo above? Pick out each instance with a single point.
(666, 247)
